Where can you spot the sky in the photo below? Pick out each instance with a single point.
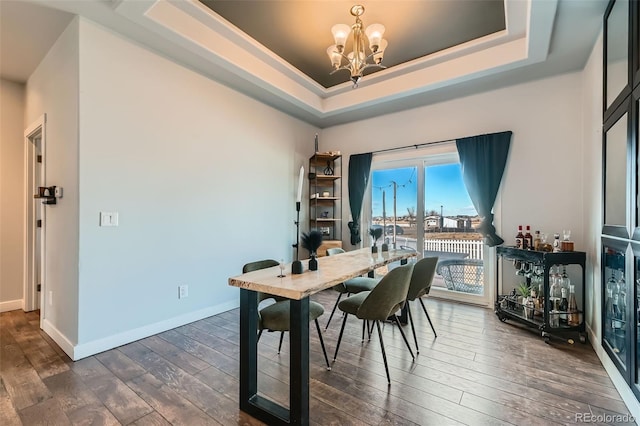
(444, 187)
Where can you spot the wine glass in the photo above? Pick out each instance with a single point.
(281, 269)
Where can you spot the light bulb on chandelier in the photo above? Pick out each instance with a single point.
(357, 61)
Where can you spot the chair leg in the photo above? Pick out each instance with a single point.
(404, 336)
(370, 330)
(384, 354)
(413, 327)
(427, 314)
(281, 337)
(324, 351)
(333, 310)
(364, 324)
(344, 322)
(259, 334)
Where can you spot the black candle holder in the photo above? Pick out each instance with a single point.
(296, 265)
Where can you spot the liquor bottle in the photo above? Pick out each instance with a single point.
(519, 238)
(616, 325)
(565, 282)
(574, 316)
(621, 332)
(536, 241)
(541, 296)
(564, 306)
(608, 316)
(528, 239)
(555, 296)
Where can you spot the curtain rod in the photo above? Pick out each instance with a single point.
(416, 146)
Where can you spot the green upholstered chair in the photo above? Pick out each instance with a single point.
(380, 304)
(276, 316)
(420, 285)
(351, 286)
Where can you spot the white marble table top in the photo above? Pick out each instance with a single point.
(332, 270)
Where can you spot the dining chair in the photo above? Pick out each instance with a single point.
(380, 304)
(350, 286)
(276, 317)
(420, 285)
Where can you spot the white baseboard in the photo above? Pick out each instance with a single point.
(62, 341)
(84, 350)
(11, 305)
(620, 384)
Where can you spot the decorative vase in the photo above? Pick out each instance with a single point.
(313, 262)
(385, 247)
(374, 249)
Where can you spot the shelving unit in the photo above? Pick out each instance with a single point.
(325, 198)
(541, 317)
(620, 256)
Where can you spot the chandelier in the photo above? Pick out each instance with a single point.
(357, 61)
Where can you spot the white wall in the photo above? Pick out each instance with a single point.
(53, 89)
(542, 182)
(202, 178)
(11, 194)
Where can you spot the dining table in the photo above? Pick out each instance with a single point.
(332, 270)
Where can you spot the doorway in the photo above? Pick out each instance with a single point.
(419, 199)
(34, 255)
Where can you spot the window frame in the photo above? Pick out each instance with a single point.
(431, 155)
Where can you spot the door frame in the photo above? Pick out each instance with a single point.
(440, 153)
(30, 293)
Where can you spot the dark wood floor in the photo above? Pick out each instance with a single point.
(477, 371)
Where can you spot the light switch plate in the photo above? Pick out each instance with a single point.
(108, 218)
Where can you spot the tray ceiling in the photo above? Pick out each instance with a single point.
(300, 31)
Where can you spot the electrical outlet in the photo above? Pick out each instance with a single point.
(183, 291)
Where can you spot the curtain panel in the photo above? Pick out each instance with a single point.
(359, 170)
(483, 159)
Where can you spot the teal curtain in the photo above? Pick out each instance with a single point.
(483, 159)
(359, 169)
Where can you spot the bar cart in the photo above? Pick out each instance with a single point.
(543, 309)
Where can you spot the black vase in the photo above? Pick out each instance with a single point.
(313, 263)
(374, 249)
(385, 247)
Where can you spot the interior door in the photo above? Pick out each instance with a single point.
(34, 261)
(38, 224)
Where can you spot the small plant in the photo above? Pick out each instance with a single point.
(523, 290)
(375, 233)
(312, 241)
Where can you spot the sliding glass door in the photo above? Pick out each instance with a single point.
(422, 203)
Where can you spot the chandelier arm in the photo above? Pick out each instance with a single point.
(372, 54)
(343, 67)
(372, 66)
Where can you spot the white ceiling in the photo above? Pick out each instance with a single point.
(27, 32)
(542, 38)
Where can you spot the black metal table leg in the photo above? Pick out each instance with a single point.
(248, 347)
(299, 370)
(261, 407)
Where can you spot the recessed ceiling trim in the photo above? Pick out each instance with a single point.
(543, 15)
(465, 68)
(196, 28)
